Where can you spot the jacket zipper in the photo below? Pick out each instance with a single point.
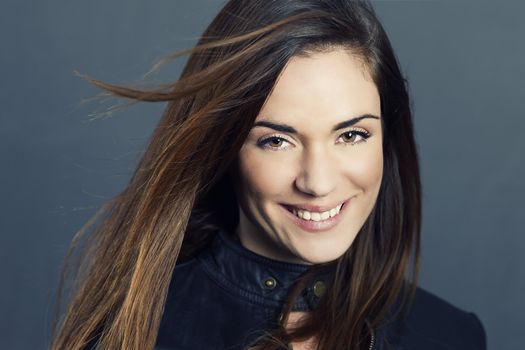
(372, 341)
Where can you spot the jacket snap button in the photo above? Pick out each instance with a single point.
(319, 289)
(270, 283)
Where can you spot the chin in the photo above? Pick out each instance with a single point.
(319, 259)
(319, 255)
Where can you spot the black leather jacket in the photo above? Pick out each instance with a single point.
(225, 297)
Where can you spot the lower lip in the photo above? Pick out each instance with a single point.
(317, 226)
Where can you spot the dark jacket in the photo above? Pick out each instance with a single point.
(226, 296)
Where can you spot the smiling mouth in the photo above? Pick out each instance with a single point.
(315, 216)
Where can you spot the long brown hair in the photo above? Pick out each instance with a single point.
(180, 192)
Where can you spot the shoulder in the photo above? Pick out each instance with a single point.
(185, 271)
(433, 323)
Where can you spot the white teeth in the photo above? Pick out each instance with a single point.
(315, 216)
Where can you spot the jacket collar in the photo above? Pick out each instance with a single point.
(262, 280)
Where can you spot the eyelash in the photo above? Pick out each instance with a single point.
(359, 132)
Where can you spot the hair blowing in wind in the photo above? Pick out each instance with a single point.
(180, 191)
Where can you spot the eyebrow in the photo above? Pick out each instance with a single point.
(291, 130)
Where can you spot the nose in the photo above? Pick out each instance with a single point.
(317, 173)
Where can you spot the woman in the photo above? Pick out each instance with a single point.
(277, 204)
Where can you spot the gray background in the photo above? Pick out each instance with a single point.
(465, 64)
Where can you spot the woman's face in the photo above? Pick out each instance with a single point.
(315, 145)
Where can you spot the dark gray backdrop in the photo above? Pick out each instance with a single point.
(465, 64)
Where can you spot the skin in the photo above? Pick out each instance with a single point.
(316, 165)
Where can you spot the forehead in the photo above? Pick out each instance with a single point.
(323, 87)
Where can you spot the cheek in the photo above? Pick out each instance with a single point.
(263, 176)
(366, 169)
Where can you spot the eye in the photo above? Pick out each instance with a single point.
(355, 136)
(274, 143)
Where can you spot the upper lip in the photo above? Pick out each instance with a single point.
(315, 208)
